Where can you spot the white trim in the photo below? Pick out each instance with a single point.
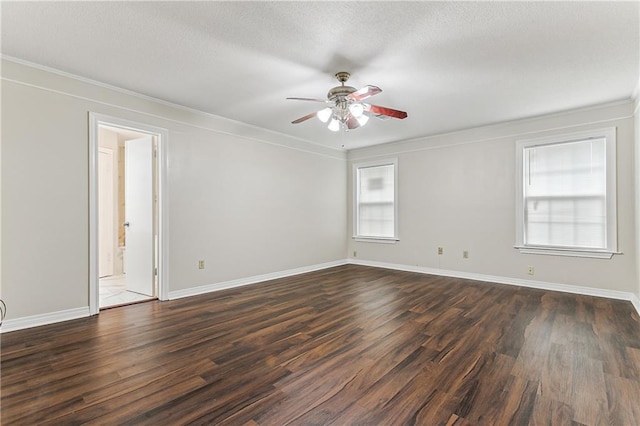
(163, 215)
(609, 135)
(43, 319)
(378, 240)
(95, 120)
(543, 285)
(194, 291)
(636, 303)
(94, 292)
(459, 138)
(337, 153)
(50, 318)
(595, 254)
(635, 95)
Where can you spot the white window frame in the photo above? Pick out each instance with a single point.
(609, 134)
(356, 204)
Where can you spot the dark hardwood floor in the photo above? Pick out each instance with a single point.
(349, 345)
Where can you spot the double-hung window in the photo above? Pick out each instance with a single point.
(566, 194)
(375, 195)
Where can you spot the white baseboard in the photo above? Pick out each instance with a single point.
(53, 317)
(636, 303)
(43, 319)
(543, 285)
(251, 280)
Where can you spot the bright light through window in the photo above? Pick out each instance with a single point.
(375, 204)
(567, 193)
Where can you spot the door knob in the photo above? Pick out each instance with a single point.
(126, 224)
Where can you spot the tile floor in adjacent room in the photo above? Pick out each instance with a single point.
(113, 292)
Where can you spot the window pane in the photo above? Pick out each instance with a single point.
(565, 194)
(376, 201)
(376, 220)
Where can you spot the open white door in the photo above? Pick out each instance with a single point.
(105, 205)
(154, 246)
(139, 240)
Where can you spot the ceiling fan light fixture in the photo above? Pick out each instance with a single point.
(334, 125)
(324, 114)
(362, 120)
(346, 110)
(356, 110)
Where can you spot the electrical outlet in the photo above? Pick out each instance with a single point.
(440, 250)
(465, 254)
(200, 264)
(355, 253)
(530, 270)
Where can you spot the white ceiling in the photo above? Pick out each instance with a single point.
(450, 65)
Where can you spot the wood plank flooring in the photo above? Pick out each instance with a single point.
(350, 345)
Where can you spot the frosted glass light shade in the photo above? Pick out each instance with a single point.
(356, 110)
(324, 114)
(362, 120)
(334, 125)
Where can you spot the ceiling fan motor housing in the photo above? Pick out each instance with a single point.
(338, 93)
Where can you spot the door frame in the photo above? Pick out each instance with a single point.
(162, 136)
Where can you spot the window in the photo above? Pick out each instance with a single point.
(566, 198)
(375, 193)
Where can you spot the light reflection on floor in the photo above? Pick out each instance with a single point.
(113, 292)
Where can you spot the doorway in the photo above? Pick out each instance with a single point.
(127, 174)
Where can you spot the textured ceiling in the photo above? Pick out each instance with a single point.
(450, 65)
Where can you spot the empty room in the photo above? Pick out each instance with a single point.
(320, 213)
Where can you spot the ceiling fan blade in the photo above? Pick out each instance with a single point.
(389, 112)
(378, 116)
(305, 118)
(352, 123)
(309, 99)
(364, 93)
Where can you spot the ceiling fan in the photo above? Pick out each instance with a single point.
(345, 107)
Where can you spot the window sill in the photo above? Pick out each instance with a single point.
(556, 251)
(379, 240)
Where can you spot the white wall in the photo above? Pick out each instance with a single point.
(252, 202)
(637, 214)
(245, 200)
(248, 208)
(457, 191)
